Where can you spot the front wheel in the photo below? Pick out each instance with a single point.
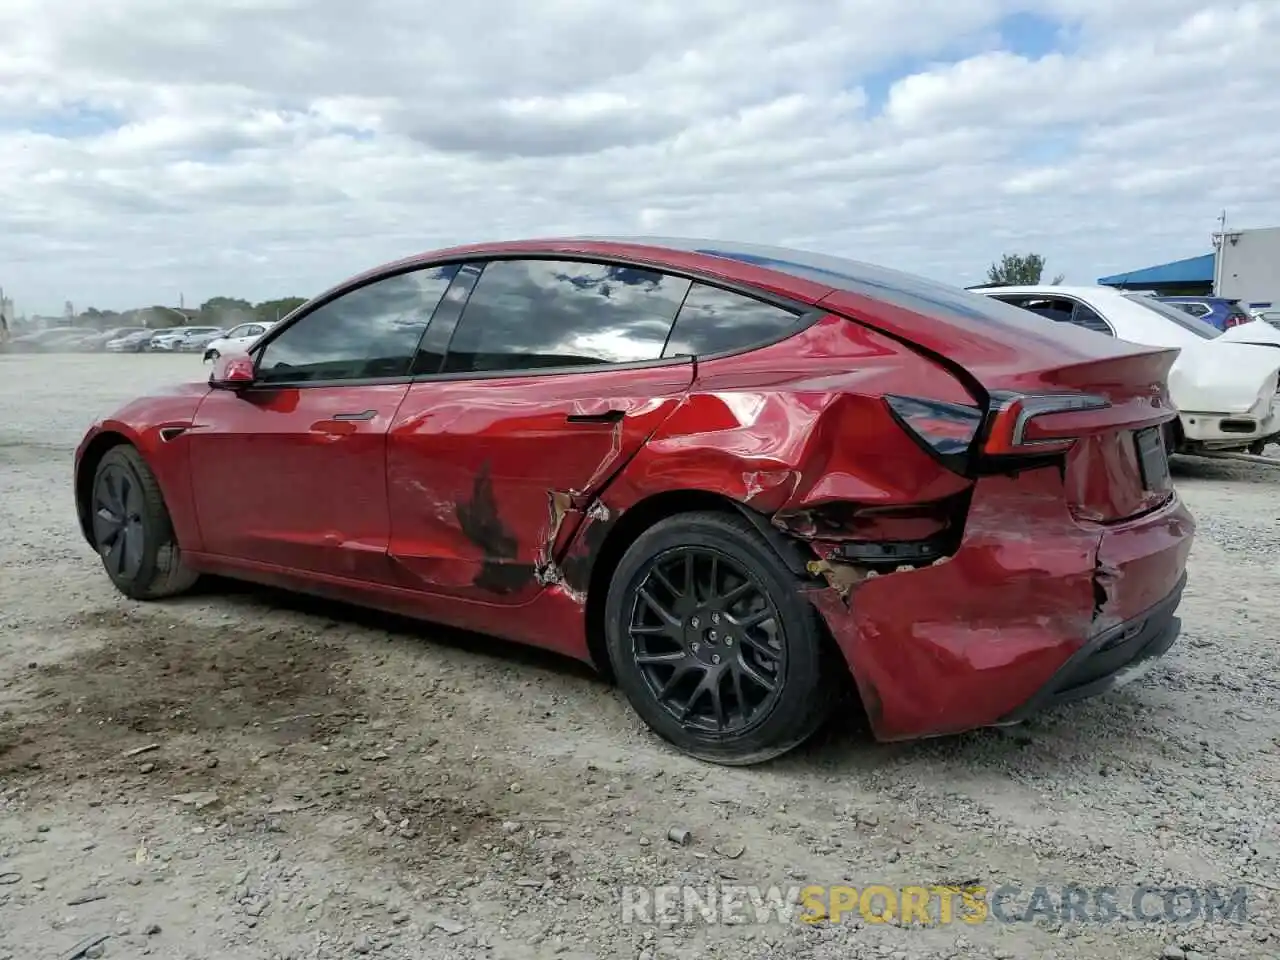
(211, 355)
(132, 529)
(712, 643)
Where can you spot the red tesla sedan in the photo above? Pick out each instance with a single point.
(725, 475)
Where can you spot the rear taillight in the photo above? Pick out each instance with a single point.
(1023, 424)
(946, 430)
(1017, 425)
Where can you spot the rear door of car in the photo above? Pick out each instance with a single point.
(292, 472)
(542, 379)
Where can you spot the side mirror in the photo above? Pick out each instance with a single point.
(232, 371)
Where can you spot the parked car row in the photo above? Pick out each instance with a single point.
(117, 340)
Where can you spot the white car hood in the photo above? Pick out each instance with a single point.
(1223, 377)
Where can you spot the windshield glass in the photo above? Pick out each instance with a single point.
(1183, 319)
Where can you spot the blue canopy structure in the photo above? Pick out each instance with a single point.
(1190, 277)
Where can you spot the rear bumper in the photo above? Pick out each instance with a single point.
(1222, 431)
(1110, 659)
(976, 639)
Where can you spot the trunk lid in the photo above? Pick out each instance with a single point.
(1116, 466)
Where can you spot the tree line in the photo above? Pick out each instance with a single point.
(214, 312)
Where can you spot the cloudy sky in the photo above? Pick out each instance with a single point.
(263, 148)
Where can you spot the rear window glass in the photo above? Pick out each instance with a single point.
(903, 290)
(1183, 319)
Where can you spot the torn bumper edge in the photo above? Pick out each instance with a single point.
(1109, 658)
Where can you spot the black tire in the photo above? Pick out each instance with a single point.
(142, 558)
(212, 355)
(805, 678)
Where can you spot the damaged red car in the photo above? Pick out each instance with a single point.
(730, 477)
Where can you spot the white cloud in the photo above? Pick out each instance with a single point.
(261, 148)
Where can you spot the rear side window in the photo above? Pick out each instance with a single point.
(1083, 316)
(719, 321)
(1061, 310)
(538, 314)
(371, 332)
(1200, 328)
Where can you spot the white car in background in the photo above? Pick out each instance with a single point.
(1224, 384)
(237, 339)
(177, 339)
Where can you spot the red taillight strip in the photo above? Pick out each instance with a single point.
(1011, 416)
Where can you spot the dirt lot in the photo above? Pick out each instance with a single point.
(359, 785)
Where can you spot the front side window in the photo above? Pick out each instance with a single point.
(538, 314)
(719, 321)
(369, 333)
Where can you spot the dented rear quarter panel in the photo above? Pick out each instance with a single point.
(800, 424)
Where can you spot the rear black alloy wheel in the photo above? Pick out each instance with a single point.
(132, 530)
(707, 640)
(713, 645)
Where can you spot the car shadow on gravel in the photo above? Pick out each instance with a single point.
(1111, 725)
(333, 613)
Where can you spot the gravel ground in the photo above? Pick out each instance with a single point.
(350, 784)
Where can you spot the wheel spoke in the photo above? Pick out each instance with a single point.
(115, 553)
(763, 648)
(690, 585)
(133, 549)
(657, 630)
(666, 582)
(754, 675)
(744, 708)
(672, 658)
(106, 526)
(751, 619)
(111, 494)
(677, 675)
(669, 618)
(132, 497)
(687, 709)
(737, 593)
(713, 683)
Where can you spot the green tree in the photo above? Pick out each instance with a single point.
(1016, 270)
(214, 304)
(225, 311)
(271, 310)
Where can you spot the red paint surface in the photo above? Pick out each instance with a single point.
(476, 503)
(277, 480)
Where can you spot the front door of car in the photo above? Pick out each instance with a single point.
(292, 471)
(553, 380)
